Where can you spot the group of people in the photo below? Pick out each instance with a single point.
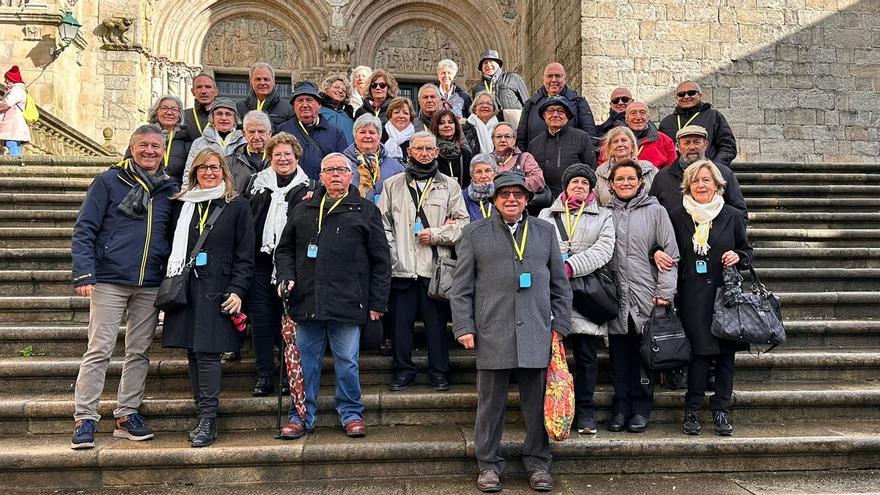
(337, 206)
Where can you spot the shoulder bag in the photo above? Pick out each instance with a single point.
(542, 198)
(754, 318)
(443, 268)
(664, 343)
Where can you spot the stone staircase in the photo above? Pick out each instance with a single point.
(809, 405)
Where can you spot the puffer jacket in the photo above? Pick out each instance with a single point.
(443, 201)
(603, 179)
(211, 139)
(13, 127)
(590, 248)
(641, 225)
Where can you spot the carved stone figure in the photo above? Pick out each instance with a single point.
(242, 40)
(416, 48)
(113, 30)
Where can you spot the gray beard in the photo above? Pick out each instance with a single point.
(686, 161)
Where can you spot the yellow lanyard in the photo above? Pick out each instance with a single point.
(569, 227)
(489, 88)
(678, 118)
(301, 126)
(168, 147)
(424, 192)
(378, 111)
(321, 211)
(374, 171)
(196, 116)
(487, 212)
(203, 217)
(260, 105)
(639, 152)
(221, 140)
(521, 248)
(702, 240)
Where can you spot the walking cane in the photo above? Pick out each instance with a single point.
(281, 365)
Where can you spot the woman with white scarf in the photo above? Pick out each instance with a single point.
(710, 236)
(220, 277)
(478, 127)
(272, 193)
(399, 128)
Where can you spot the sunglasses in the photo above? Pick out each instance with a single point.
(380, 85)
(621, 99)
(691, 92)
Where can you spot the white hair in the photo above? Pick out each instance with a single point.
(449, 64)
(429, 86)
(261, 65)
(424, 134)
(257, 117)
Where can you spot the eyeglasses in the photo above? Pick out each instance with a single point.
(379, 85)
(336, 170)
(516, 193)
(503, 136)
(280, 154)
(169, 109)
(628, 180)
(422, 149)
(555, 111)
(202, 169)
(690, 92)
(621, 99)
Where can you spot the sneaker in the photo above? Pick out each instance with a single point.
(132, 427)
(691, 424)
(355, 428)
(586, 426)
(84, 434)
(402, 382)
(722, 424)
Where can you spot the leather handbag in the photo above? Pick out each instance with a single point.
(173, 291)
(754, 318)
(664, 344)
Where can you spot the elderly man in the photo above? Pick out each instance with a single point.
(653, 146)
(620, 99)
(249, 157)
(691, 109)
(359, 77)
(195, 119)
(371, 163)
(119, 251)
(264, 96)
(429, 103)
(532, 122)
(508, 88)
(510, 294)
(559, 144)
(452, 97)
(423, 213)
(334, 262)
(221, 134)
(316, 136)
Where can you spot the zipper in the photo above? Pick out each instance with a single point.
(668, 336)
(146, 241)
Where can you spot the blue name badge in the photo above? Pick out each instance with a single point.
(312, 251)
(701, 267)
(565, 256)
(202, 259)
(417, 227)
(525, 280)
(376, 198)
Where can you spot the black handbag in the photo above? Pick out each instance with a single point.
(664, 343)
(753, 318)
(541, 199)
(173, 291)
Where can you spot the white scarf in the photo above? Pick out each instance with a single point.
(276, 217)
(181, 232)
(396, 138)
(703, 214)
(483, 133)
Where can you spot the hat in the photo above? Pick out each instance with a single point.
(490, 55)
(511, 178)
(691, 130)
(578, 170)
(14, 75)
(223, 102)
(556, 100)
(305, 88)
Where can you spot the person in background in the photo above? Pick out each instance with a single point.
(509, 157)
(250, 157)
(508, 88)
(452, 97)
(653, 146)
(478, 194)
(317, 137)
(335, 107)
(195, 119)
(455, 155)
(370, 162)
(167, 113)
(264, 96)
(619, 144)
(222, 134)
(399, 128)
(690, 109)
(559, 144)
(620, 98)
(359, 77)
(14, 130)
(429, 104)
(478, 128)
(382, 89)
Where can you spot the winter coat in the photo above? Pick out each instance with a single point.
(193, 129)
(555, 152)
(511, 325)
(13, 127)
(367, 107)
(388, 167)
(259, 203)
(722, 144)
(211, 139)
(351, 274)
(667, 188)
(180, 147)
(656, 148)
(603, 179)
(509, 89)
(696, 292)
(641, 226)
(108, 246)
(443, 201)
(590, 248)
(458, 168)
(278, 110)
(340, 115)
(459, 102)
(328, 137)
(528, 165)
(532, 124)
(200, 326)
(615, 119)
(473, 206)
(242, 166)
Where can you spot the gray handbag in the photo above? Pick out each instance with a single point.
(441, 277)
(754, 318)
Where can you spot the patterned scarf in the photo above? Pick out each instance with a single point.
(134, 204)
(368, 172)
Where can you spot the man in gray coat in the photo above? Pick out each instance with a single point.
(509, 294)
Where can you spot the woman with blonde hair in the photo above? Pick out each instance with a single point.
(619, 144)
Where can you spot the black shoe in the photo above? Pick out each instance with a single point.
(617, 422)
(385, 347)
(206, 432)
(193, 431)
(586, 426)
(402, 382)
(691, 424)
(637, 423)
(264, 386)
(722, 424)
(440, 384)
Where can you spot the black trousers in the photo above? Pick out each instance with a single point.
(205, 375)
(409, 300)
(586, 372)
(264, 307)
(630, 395)
(492, 387)
(698, 375)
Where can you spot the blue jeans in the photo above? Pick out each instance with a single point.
(13, 148)
(345, 345)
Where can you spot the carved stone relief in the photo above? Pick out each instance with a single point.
(32, 33)
(241, 41)
(416, 48)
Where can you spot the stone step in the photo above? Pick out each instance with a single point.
(829, 305)
(38, 218)
(814, 220)
(812, 190)
(803, 257)
(813, 238)
(389, 453)
(807, 204)
(35, 282)
(35, 258)
(44, 309)
(60, 161)
(51, 171)
(45, 201)
(44, 184)
(27, 237)
(788, 177)
(820, 279)
(805, 167)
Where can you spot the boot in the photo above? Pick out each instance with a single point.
(192, 432)
(206, 432)
(264, 386)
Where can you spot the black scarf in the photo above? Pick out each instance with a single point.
(649, 134)
(134, 204)
(419, 171)
(449, 150)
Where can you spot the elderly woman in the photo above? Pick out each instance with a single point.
(359, 77)
(455, 155)
(619, 144)
(335, 109)
(452, 97)
(382, 88)
(509, 157)
(478, 128)
(478, 194)
(371, 163)
(272, 193)
(222, 134)
(399, 128)
(641, 226)
(250, 156)
(14, 129)
(166, 112)
(220, 277)
(711, 235)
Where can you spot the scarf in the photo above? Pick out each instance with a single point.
(369, 172)
(449, 150)
(575, 203)
(134, 204)
(702, 214)
(479, 192)
(649, 134)
(276, 216)
(483, 134)
(397, 138)
(419, 171)
(177, 260)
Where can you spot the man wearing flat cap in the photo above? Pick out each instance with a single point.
(690, 109)
(317, 137)
(510, 294)
(508, 88)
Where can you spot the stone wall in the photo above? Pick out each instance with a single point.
(551, 28)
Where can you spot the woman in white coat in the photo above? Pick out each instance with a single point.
(13, 129)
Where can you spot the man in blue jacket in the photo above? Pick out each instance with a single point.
(119, 252)
(317, 137)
